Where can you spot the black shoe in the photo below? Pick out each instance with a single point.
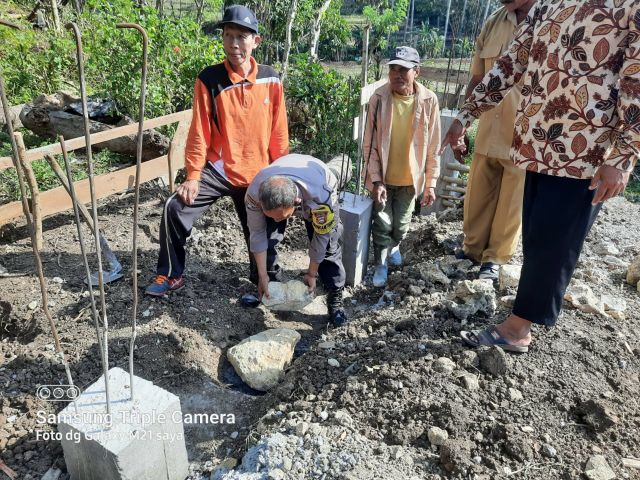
(276, 275)
(338, 318)
(489, 271)
(335, 307)
(460, 255)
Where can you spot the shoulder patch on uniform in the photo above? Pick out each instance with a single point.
(323, 219)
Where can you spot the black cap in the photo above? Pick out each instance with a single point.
(406, 56)
(240, 15)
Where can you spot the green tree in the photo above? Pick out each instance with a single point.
(383, 20)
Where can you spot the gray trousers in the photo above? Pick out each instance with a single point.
(178, 219)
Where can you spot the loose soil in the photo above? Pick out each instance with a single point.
(537, 416)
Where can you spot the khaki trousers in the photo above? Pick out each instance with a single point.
(493, 209)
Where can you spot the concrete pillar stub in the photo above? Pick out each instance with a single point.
(145, 440)
(356, 220)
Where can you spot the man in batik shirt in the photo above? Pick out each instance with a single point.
(577, 135)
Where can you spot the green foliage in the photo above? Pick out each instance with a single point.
(321, 107)
(178, 51)
(429, 42)
(383, 21)
(632, 192)
(336, 32)
(33, 62)
(45, 62)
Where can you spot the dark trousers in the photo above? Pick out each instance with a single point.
(331, 270)
(556, 217)
(178, 219)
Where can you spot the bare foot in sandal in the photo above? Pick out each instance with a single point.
(514, 335)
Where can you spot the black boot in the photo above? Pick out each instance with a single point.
(335, 307)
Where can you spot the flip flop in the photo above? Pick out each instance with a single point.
(490, 337)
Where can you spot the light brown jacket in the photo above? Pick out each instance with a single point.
(424, 159)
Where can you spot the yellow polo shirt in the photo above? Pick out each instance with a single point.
(398, 172)
(495, 130)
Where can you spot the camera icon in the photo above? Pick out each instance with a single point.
(58, 393)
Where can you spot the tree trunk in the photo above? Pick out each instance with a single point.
(160, 7)
(293, 9)
(56, 16)
(316, 28)
(200, 4)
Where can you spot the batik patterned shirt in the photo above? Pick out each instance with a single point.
(580, 106)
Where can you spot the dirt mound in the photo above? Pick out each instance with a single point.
(406, 400)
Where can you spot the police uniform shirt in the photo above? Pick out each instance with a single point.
(317, 190)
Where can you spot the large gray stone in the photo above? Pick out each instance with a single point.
(509, 276)
(260, 359)
(614, 307)
(598, 469)
(582, 297)
(633, 272)
(142, 439)
(431, 274)
(471, 297)
(292, 295)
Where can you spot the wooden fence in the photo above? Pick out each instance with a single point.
(57, 200)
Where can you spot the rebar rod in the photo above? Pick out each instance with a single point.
(345, 141)
(363, 82)
(134, 253)
(30, 226)
(94, 209)
(77, 208)
(17, 144)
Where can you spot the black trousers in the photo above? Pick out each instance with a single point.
(556, 217)
(331, 269)
(178, 219)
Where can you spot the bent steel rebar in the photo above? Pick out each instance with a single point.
(134, 252)
(94, 209)
(115, 268)
(67, 183)
(18, 149)
(14, 138)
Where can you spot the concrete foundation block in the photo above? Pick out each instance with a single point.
(355, 213)
(139, 440)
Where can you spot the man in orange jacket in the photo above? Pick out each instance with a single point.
(239, 126)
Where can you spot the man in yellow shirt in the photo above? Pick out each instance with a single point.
(401, 141)
(493, 202)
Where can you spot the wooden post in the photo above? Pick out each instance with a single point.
(33, 186)
(63, 180)
(176, 150)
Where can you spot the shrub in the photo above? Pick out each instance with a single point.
(321, 107)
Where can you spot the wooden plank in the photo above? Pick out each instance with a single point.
(99, 137)
(451, 188)
(457, 181)
(57, 200)
(459, 167)
(367, 91)
(177, 150)
(36, 210)
(452, 197)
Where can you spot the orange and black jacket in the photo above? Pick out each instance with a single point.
(241, 121)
